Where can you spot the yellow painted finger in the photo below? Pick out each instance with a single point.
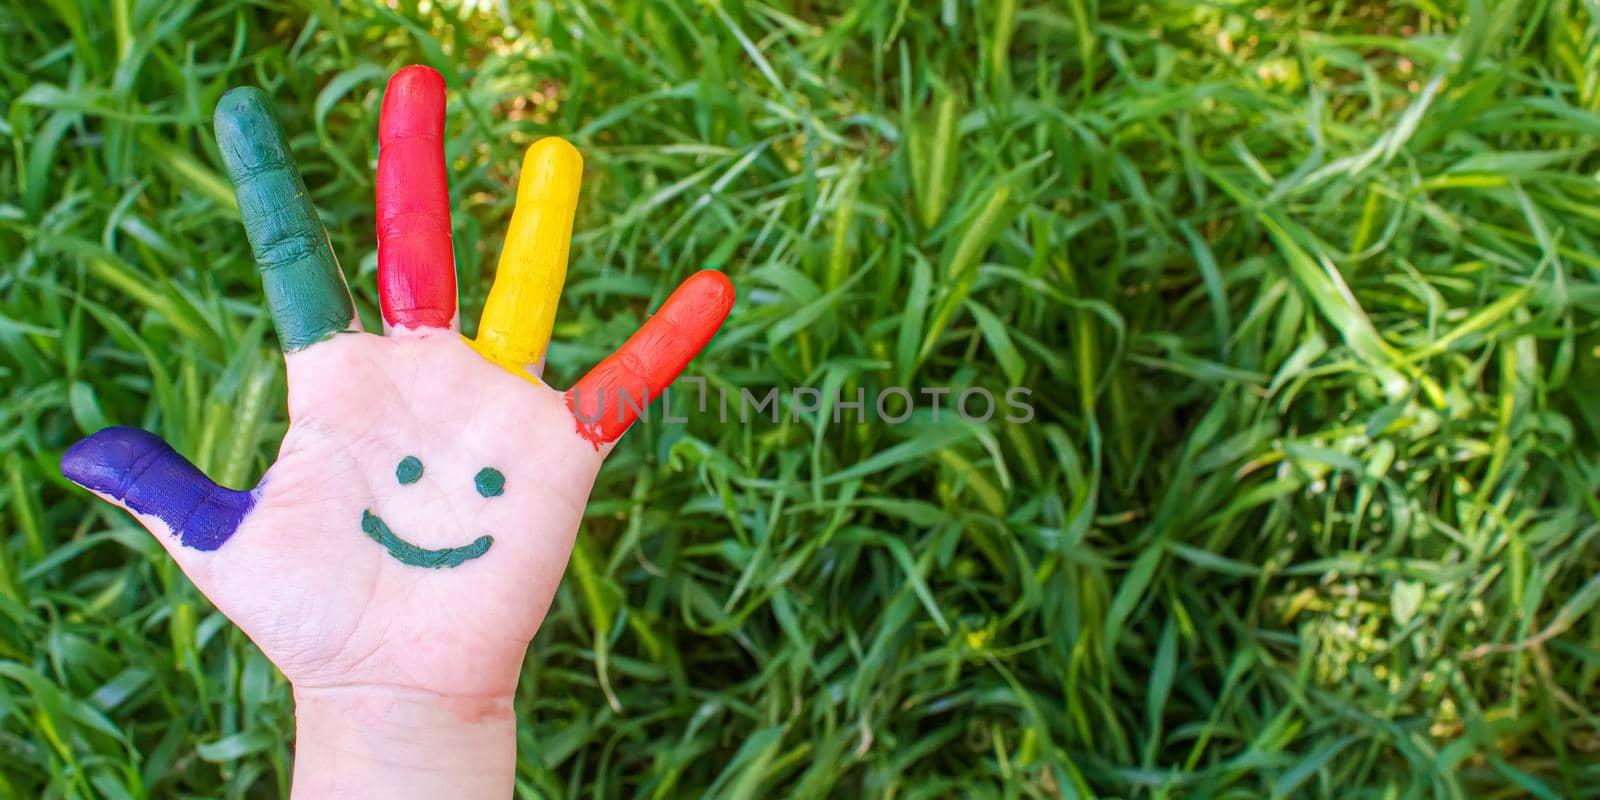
(515, 327)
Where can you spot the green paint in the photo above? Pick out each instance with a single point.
(408, 553)
(305, 289)
(409, 471)
(490, 482)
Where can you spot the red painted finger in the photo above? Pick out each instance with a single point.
(416, 263)
(607, 400)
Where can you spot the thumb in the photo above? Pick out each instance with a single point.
(138, 471)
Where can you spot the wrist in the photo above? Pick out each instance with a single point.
(390, 742)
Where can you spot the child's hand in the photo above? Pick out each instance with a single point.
(408, 541)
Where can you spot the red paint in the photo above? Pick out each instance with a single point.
(416, 263)
(652, 358)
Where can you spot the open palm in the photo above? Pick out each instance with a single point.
(423, 505)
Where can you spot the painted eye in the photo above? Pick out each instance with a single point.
(490, 482)
(408, 471)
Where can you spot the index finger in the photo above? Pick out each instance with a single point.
(306, 292)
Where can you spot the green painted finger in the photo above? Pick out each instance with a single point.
(306, 292)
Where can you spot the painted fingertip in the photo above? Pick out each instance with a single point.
(551, 163)
(554, 148)
(419, 77)
(413, 105)
(100, 461)
(247, 132)
(243, 104)
(712, 289)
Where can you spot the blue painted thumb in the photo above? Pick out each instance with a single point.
(144, 473)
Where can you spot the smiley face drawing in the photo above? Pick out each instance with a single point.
(489, 482)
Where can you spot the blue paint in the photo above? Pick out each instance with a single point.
(149, 477)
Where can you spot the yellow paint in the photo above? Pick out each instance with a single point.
(515, 327)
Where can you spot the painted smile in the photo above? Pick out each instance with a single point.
(408, 553)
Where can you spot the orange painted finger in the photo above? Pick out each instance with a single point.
(606, 401)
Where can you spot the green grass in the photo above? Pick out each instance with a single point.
(1306, 294)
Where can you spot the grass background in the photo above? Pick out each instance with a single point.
(1306, 294)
